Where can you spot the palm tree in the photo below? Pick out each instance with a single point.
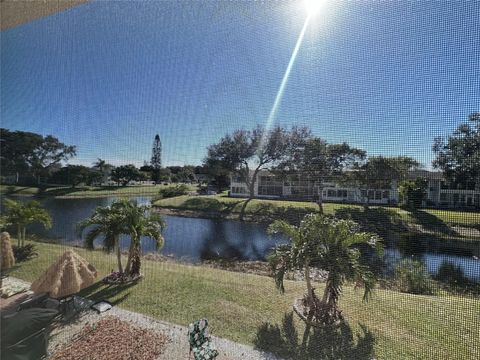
(23, 214)
(140, 221)
(103, 167)
(331, 245)
(109, 222)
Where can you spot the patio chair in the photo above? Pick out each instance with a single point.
(200, 342)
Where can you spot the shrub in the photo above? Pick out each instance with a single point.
(451, 274)
(24, 253)
(172, 191)
(413, 193)
(411, 276)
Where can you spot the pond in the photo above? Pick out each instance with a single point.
(195, 239)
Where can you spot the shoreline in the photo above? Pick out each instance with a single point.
(87, 196)
(212, 215)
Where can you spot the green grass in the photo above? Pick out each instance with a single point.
(429, 218)
(456, 217)
(18, 190)
(247, 308)
(85, 191)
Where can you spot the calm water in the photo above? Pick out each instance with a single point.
(195, 239)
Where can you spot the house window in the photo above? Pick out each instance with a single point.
(443, 196)
(238, 179)
(332, 193)
(270, 190)
(386, 194)
(238, 190)
(378, 195)
(299, 190)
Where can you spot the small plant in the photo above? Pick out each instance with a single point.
(411, 276)
(25, 252)
(172, 191)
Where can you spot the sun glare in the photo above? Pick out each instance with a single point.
(313, 6)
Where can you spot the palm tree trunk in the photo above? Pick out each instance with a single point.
(320, 199)
(327, 289)
(24, 230)
(308, 281)
(19, 235)
(133, 266)
(119, 254)
(136, 264)
(129, 260)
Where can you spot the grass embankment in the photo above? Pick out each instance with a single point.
(430, 220)
(85, 191)
(247, 308)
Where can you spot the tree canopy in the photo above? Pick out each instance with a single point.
(314, 160)
(76, 174)
(378, 172)
(28, 154)
(246, 152)
(459, 156)
(126, 173)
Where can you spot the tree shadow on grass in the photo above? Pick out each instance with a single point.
(267, 212)
(431, 222)
(379, 220)
(210, 204)
(113, 293)
(317, 343)
(13, 190)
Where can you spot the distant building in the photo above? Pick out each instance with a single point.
(439, 193)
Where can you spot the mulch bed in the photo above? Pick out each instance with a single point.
(113, 339)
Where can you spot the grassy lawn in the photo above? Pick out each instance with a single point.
(85, 191)
(18, 190)
(246, 308)
(429, 218)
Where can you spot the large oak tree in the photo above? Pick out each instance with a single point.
(247, 152)
(28, 154)
(459, 156)
(378, 172)
(314, 160)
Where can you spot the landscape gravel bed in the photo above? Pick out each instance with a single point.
(113, 339)
(176, 348)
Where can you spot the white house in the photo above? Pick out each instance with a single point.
(442, 194)
(439, 194)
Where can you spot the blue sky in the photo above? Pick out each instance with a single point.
(107, 76)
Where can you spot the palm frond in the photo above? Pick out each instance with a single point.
(280, 262)
(91, 235)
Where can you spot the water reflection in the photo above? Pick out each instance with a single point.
(195, 239)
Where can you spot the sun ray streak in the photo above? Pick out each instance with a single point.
(281, 89)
